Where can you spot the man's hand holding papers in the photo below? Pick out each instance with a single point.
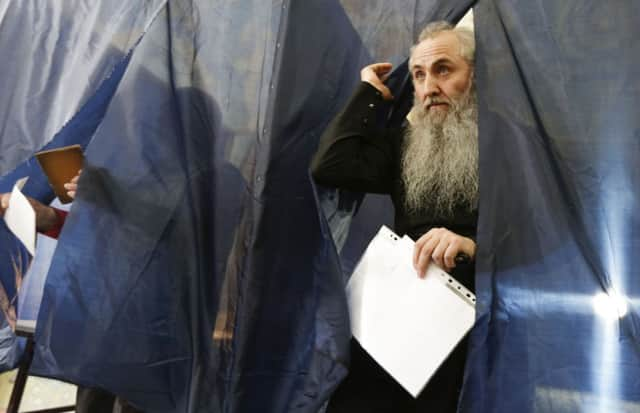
(409, 325)
(442, 247)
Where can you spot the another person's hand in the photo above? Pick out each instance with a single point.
(46, 217)
(375, 75)
(442, 246)
(72, 186)
(4, 202)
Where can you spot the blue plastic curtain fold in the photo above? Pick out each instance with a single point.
(59, 75)
(557, 286)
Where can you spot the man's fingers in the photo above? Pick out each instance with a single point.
(416, 254)
(376, 70)
(421, 243)
(385, 76)
(418, 247)
(438, 252)
(423, 263)
(450, 255)
(381, 68)
(425, 257)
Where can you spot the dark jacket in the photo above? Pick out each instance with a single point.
(356, 154)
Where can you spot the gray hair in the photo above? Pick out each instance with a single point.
(465, 37)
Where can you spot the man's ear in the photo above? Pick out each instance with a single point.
(472, 80)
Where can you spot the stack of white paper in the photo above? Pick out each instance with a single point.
(407, 324)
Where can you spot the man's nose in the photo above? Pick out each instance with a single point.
(430, 89)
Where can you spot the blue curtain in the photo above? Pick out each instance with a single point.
(197, 271)
(557, 283)
(60, 73)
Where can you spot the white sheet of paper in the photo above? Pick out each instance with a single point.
(407, 324)
(32, 289)
(21, 218)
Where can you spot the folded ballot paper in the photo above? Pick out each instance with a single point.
(21, 218)
(407, 324)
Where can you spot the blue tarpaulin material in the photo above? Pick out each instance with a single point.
(60, 72)
(196, 272)
(558, 95)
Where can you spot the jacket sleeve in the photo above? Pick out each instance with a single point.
(353, 153)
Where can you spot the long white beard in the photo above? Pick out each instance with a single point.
(440, 160)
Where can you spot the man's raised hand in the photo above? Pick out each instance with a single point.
(375, 75)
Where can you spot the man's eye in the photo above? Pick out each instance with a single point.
(443, 70)
(418, 75)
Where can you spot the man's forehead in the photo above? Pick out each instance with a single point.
(444, 45)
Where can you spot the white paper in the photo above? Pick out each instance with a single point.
(21, 218)
(407, 324)
(32, 288)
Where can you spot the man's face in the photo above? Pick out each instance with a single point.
(441, 77)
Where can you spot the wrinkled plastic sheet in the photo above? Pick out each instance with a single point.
(61, 65)
(195, 271)
(558, 230)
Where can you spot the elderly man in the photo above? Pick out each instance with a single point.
(429, 168)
